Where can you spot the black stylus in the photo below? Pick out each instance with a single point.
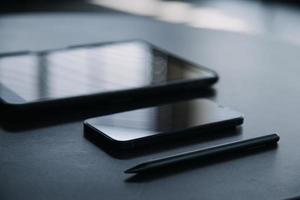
(206, 153)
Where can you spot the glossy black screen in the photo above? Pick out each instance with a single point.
(95, 69)
(161, 119)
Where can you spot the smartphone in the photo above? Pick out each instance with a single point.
(94, 75)
(128, 130)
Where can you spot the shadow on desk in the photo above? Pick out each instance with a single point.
(20, 121)
(192, 137)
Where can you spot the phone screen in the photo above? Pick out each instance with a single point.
(162, 119)
(92, 69)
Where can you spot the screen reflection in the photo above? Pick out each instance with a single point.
(162, 119)
(94, 69)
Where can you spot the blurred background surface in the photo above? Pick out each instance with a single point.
(278, 19)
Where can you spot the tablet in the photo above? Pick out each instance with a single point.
(98, 73)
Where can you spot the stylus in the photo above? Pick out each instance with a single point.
(203, 154)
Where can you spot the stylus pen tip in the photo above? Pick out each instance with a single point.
(133, 170)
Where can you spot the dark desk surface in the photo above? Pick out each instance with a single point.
(259, 77)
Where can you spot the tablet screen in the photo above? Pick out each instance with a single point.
(92, 69)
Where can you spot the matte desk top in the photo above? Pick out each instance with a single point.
(258, 77)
